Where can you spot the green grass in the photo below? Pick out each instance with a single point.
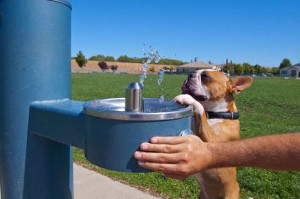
(269, 106)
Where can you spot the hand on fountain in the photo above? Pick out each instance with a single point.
(181, 156)
(176, 157)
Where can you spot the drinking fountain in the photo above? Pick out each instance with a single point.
(39, 123)
(117, 126)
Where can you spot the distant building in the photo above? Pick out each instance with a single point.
(291, 71)
(191, 67)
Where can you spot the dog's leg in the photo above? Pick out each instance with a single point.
(202, 128)
(209, 178)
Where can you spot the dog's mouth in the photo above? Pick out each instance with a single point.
(192, 86)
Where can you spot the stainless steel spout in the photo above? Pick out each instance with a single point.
(133, 98)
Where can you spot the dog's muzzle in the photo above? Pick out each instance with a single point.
(193, 86)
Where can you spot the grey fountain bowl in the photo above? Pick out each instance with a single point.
(113, 134)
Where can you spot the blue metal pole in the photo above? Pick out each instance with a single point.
(35, 65)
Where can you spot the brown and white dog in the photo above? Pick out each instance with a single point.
(210, 93)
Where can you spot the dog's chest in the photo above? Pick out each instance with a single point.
(214, 125)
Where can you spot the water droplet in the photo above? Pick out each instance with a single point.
(160, 76)
(186, 132)
(162, 98)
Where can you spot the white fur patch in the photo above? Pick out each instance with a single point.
(215, 128)
(186, 99)
(221, 106)
(212, 122)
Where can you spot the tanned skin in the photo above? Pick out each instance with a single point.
(180, 157)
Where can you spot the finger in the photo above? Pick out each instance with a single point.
(164, 168)
(160, 148)
(157, 157)
(169, 140)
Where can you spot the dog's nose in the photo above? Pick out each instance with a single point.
(192, 75)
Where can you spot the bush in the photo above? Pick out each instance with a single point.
(114, 67)
(152, 69)
(103, 66)
(166, 68)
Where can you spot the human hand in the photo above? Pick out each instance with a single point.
(176, 157)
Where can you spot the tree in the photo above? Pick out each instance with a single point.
(247, 69)
(80, 59)
(229, 67)
(258, 69)
(102, 58)
(275, 71)
(103, 66)
(238, 69)
(109, 58)
(123, 58)
(97, 58)
(284, 63)
(170, 62)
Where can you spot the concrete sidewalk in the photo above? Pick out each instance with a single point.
(89, 184)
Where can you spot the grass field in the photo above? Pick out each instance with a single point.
(269, 106)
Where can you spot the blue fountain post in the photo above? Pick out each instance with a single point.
(34, 65)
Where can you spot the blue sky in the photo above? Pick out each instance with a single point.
(253, 31)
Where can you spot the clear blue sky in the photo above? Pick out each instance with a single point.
(253, 31)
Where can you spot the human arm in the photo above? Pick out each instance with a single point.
(179, 157)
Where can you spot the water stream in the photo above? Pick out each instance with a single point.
(152, 56)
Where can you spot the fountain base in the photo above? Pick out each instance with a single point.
(113, 135)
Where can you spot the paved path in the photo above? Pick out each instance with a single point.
(92, 185)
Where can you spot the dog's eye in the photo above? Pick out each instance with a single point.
(204, 76)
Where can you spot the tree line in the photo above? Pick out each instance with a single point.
(125, 58)
(247, 69)
(229, 67)
(81, 59)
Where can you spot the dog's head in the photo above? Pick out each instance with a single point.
(213, 86)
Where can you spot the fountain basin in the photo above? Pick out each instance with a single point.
(113, 134)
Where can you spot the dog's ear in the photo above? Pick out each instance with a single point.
(240, 83)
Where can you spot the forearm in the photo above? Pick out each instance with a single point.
(276, 152)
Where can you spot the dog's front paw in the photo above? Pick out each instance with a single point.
(184, 99)
(187, 100)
